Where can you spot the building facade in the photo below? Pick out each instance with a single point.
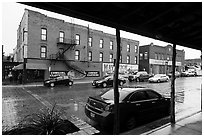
(50, 46)
(158, 60)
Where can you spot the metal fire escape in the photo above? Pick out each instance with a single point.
(59, 56)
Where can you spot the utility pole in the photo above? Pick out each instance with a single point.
(115, 85)
(173, 86)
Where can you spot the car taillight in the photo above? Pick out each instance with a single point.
(109, 108)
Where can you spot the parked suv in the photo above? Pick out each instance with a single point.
(139, 76)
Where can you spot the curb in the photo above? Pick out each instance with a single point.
(85, 128)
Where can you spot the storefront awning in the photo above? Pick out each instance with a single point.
(31, 66)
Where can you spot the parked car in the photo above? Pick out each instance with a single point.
(136, 105)
(188, 73)
(177, 74)
(139, 76)
(59, 80)
(159, 78)
(107, 81)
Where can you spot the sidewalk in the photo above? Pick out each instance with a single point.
(190, 125)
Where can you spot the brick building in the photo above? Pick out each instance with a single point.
(52, 46)
(158, 60)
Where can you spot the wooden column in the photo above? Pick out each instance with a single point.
(173, 86)
(24, 75)
(115, 85)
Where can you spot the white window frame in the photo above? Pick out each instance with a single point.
(77, 37)
(77, 54)
(44, 34)
(101, 43)
(101, 56)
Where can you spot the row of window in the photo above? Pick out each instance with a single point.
(77, 57)
(43, 54)
(157, 56)
(77, 38)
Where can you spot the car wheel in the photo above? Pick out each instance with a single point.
(70, 83)
(158, 81)
(131, 123)
(52, 84)
(137, 79)
(104, 85)
(121, 83)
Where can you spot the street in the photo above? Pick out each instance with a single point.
(21, 101)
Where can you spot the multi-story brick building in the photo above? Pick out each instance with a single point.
(157, 59)
(53, 46)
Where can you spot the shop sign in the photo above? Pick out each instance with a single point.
(92, 74)
(163, 62)
(123, 68)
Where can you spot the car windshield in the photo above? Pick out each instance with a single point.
(109, 95)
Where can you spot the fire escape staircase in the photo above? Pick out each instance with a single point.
(69, 44)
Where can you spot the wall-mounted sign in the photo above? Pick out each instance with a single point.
(108, 68)
(163, 62)
(92, 74)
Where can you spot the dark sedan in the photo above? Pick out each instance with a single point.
(136, 105)
(60, 80)
(107, 81)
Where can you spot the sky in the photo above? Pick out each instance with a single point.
(12, 13)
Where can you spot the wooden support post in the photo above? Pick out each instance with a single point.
(115, 85)
(173, 86)
(24, 75)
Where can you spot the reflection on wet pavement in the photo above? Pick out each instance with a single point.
(9, 116)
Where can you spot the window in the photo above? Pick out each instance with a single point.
(128, 47)
(101, 56)
(111, 58)
(145, 55)
(152, 95)
(128, 59)
(135, 48)
(138, 96)
(90, 41)
(155, 56)
(120, 59)
(43, 34)
(135, 59)
(77, 39)
(61, 36)
(23, 34)
(101, 43)
(77, 55)
(43, 51)
(158, 56)
(90, 56)
(141, 56)
(111, 45)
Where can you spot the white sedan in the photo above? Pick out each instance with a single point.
(159, 78)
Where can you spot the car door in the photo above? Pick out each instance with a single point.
(138, 104)
(156, 103)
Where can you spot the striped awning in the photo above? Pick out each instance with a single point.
(39, 66)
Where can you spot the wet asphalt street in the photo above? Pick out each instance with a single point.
(72, 99)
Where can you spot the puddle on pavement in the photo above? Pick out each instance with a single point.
(73, 108)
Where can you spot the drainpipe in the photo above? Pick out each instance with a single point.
(115, 85)
(172, 118)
